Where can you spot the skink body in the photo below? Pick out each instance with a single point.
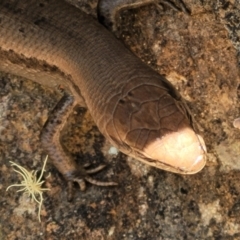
(136, 109)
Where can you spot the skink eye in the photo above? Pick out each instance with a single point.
(184, 151)
(236, 123)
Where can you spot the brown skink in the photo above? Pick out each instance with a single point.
(135, 108)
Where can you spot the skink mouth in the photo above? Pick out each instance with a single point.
(166, 167)
(181, 152)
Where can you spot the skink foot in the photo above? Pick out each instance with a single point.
(82, 181)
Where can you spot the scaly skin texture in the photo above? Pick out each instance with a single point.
(53, 43)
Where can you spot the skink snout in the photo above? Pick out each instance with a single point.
(183, 151)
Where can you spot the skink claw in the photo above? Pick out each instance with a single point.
(81, 184)
(100, 183)
(95, 170)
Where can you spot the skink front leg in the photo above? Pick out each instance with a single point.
(63, 161)
(108, 10)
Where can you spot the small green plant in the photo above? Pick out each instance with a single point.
(31, 184)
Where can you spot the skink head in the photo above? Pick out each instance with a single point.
(183, 152)
(154, 126)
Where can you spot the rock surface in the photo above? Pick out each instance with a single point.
(199, 54)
